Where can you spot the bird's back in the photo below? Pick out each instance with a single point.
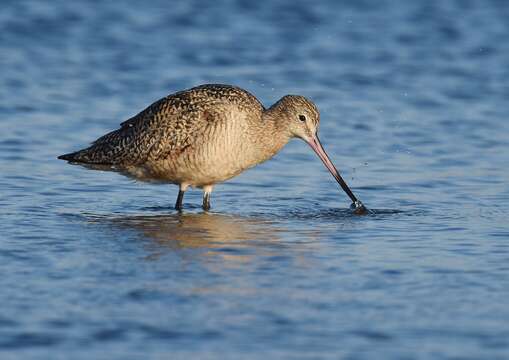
(168, 127)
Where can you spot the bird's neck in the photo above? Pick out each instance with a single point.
(275, 136)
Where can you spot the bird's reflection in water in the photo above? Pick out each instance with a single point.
(232, 237)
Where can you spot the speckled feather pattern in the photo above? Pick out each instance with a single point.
(198, 137)
(166, 127)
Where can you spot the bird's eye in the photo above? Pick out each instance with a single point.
(302, 118)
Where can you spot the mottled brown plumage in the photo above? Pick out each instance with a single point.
(201, 136)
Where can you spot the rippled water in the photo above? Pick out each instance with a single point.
(414, 103)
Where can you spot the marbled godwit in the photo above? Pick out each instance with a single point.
(205, 135)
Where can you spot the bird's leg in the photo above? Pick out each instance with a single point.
(206, 201)
(180, 197)
(206, 197)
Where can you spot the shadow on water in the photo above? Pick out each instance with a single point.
(161, 230)
(194, 230)
(221, 231)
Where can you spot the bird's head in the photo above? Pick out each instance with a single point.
(299, 117)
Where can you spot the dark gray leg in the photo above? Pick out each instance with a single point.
(180, 197)
(206, 201)
(206, 197)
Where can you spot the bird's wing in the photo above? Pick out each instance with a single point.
(167, 127)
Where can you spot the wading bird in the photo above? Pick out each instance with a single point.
(203, 136)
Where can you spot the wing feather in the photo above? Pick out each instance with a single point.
(168, 127)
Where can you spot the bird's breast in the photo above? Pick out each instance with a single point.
(221, 151)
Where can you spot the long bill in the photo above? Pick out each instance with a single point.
(319, 150)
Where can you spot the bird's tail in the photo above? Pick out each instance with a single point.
(68, 157)
(76, 157)
(86, 157)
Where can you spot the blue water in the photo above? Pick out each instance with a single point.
(414, 100)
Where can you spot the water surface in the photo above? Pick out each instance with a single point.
(413, 99)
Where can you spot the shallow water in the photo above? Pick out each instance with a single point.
(413, 99)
